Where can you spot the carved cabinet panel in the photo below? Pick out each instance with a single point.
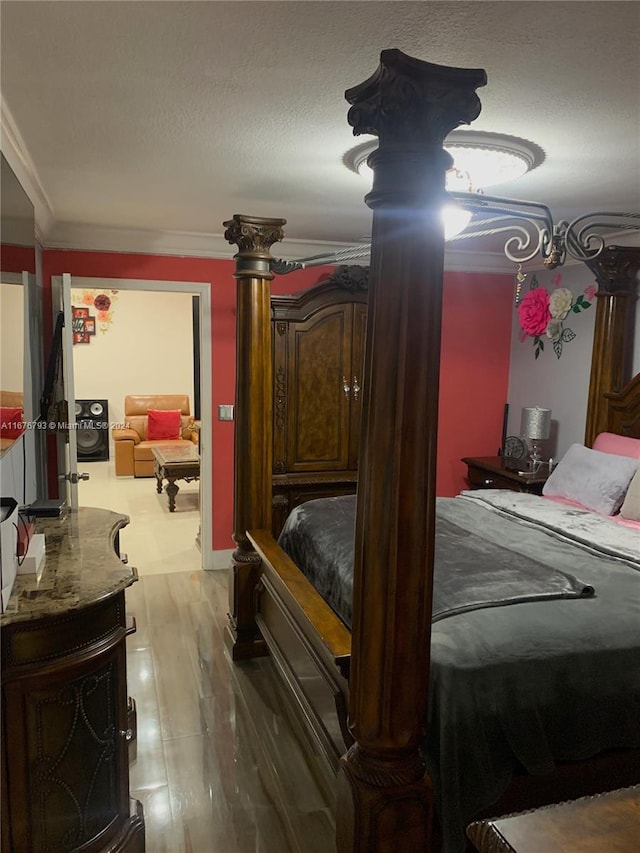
(66, 737)
(67, 723)
(318, 358)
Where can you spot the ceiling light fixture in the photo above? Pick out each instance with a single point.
(483, 160)
(480, 160)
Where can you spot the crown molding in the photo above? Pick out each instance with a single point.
(96, 238)
(18, 157)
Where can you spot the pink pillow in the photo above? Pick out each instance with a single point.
(11, 425)
(163, 425)
(619, 445)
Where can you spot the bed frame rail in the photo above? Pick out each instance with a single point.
(309, 644)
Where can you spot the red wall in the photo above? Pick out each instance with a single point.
(475, 367)
(477, 311)
(17, 258)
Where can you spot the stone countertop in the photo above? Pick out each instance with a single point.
(80, 566)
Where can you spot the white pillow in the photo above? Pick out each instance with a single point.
(630, 509)
(598, 481)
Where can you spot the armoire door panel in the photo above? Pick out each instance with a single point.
(320, 391)
(358, 339)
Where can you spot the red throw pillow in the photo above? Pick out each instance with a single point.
(11, 424)
(163, 425)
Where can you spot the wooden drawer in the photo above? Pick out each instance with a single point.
(479, 479)
(488, 473)
(77, 632)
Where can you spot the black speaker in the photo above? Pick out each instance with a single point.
(92, 432)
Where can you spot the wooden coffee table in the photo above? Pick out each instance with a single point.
(175, 462)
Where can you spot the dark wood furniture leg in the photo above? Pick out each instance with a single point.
(385, 799)
(254, 237)
(172, 490)
(159, 478)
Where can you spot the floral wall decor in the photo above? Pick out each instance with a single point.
(102, 301)
(543, 315)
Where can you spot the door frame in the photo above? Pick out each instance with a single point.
(203, 290)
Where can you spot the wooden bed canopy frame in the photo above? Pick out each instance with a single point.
(381, 669)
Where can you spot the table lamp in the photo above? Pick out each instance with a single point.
(535, 426)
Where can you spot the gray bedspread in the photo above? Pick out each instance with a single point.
(524, 685)
(470, 571)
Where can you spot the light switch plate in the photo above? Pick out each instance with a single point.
(225, 413)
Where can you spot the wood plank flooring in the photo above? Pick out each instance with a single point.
(219, 766)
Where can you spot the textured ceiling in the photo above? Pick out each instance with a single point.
(173, 116)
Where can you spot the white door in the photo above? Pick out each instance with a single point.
(66, 429)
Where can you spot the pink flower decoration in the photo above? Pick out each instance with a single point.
(87, 298)
(533, 312)
(590, 292)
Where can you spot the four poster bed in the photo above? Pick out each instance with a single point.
(476, 714)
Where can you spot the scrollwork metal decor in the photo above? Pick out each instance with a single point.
(529, 230)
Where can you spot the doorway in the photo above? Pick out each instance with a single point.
(194, 300)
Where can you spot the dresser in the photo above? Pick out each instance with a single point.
(488, 472)
(318, 361)
(601, 824)
(67, 721)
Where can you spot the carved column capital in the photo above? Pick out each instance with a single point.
(616, 269)
(254, 236)
(412, 105)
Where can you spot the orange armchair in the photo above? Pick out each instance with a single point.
(133, 451)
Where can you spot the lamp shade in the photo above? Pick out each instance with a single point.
(535, 423)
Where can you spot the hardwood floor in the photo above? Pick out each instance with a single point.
(219, 766)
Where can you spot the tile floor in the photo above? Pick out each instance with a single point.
(220, 766)
(156, 541)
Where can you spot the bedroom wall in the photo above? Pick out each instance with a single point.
(560, 384)
(474, 372)
(475, 364)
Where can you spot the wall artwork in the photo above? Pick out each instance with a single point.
(543, 314)
(101, 301)
(83, 325)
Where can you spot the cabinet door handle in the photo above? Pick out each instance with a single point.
(488, 481)
(127, 734)
(346, 387)
(356, 388)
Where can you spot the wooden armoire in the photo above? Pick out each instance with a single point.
(318, 357)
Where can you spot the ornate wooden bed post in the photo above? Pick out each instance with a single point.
(616, 271)
(384, 797)
(254, 237)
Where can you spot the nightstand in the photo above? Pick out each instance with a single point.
(597, 824)
(487, 472)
